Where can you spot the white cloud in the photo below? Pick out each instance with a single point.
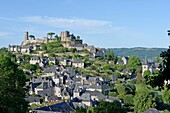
(65, 22)
(2, 34)
(88, 25)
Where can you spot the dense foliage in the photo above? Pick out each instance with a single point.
(103, 107)
(143, 100)
(12, 91)
(134, 64)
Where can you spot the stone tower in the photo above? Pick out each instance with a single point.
(26, 36)
(46, 40)
(65, 36)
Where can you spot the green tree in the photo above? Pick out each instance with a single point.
(44, 46)
(110, 55)
(117, 74)
(120, 67)
(143, 100)
(139, 78)
(80, 110)
(51, 55)
(150, 78)
(166, 96)
(32, 37)
(78, 37)
(157, 59)
(108, 107)
(50, 34)
(121, 89)
(12, 91)
(164, 71)
(147, 73)
(57, 37)
(113, 94)
(133, 63)
(128, 100)
(130, 88)
(73, 50)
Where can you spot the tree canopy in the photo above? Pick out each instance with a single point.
(32, 37)
(12, 91)
(159, 77)
(134, 63)
(143, 100)
(50, 34)
(110, 55)
(108, 107)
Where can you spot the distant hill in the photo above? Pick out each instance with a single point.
(141, 52)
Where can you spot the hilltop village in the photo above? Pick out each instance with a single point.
(64, 73)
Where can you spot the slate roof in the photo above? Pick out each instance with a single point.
(105, 87)
(77, 61)
(151, 110)
(32, 99)
(35, 58)
(77, 79)
(85, 97)
(62, 107)
(96, 93)
(50, 69)
(51, 58)
(111, 99)
(51, 98)
(126, 71)
(95, 86)
(26, 47)
(79, 105)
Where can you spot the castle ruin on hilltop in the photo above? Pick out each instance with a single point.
(33, 41)
(68, 40)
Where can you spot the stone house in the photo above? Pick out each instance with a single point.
(86, 99)
(52, 60)
(49, 71)
(97, 87)
(100, 52)
(14, 48)
(151, 66)
(33, 100)
(90, 80)
(56, 79)
(57, 90)
(35, 60)
(125, 60)
(44, 90)
(78, 63)
(63, 107)
(126, 71)
(26, 49)
(79, 47)
(36, 46)
(96, 95)
(63, 61)
(90, 48)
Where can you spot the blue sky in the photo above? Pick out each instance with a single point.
(103, 23)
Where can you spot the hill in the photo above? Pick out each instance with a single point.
(141, 52)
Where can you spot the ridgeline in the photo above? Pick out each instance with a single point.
(141, 52)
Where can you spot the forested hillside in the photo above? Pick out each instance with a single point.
(150, 53)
